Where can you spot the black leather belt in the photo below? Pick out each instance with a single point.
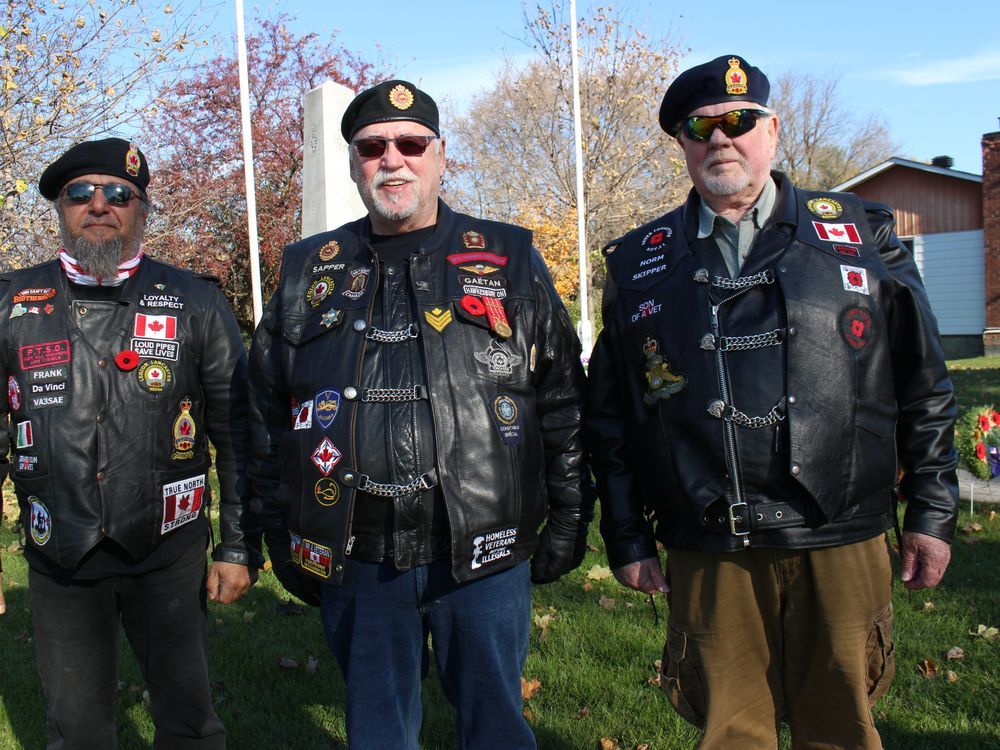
(742, 518)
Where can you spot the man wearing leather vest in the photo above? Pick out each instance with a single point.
(119, 369)
(769, 362)
(416, 389)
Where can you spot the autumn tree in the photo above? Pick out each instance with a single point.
(199, 192)
(822, 143)
(71, 70)
(514, 150)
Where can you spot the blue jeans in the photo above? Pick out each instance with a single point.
(377, 623)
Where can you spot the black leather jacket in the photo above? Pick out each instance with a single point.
(771, 409)
(102, 448)
(505, 409)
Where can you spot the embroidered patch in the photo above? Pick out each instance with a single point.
(181, 502)
(152, 349)
(401, 97)
(37, 390)
(356, 286)
(169, 301)
(647, 308)
(327, 492)
(492, 546)
(327, 404)
(34, 294)
(652, 241)
(184, 430)
(661, 382)
(319, 290)
(856, 327)
(24, 436)
(532, 358)
(438, 318)
(27, 463)
(49, 374)
(329, 251)
(319, 268)
(316, 558)
(326, 456)
(302, 415)
(825, 208)
(41, 522)
(848, 250)
(855, 279)
(33, 356)
(459, 258)
(483, 287)
(473, 240)
(507, 416)
(332, 318)
(498, 360)
(47, 401)
(653, 269)
(837, 232)
(736, 79)
(13, 393)
(480, 269)
(159, 327)
(154, 375)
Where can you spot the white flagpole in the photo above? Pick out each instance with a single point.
(586, 330)
(241, 49)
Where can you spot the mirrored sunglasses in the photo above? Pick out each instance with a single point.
(407, 145)
(733, 123)
(115, 193)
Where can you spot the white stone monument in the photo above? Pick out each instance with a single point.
(329, 197)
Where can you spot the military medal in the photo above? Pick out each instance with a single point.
(497, 317)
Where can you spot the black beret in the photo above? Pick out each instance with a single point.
(110, 156)
(726, 78)
(388, 101)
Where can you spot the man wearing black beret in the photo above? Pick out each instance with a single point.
(119, 368)
(769, 358)
(416, 389)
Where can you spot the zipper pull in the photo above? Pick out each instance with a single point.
(350, 545)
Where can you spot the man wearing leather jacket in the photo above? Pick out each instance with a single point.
(416, 389)
(119, 369)
(769, 358)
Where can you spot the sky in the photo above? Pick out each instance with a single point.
(930, 69)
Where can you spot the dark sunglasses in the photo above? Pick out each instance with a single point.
(407, 145)
(734, 124)
(115, 193)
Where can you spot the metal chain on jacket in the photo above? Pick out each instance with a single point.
(719, 410)
(385, 489)
(754, 341)
(392, 395)
(744, 282)
(392, 337)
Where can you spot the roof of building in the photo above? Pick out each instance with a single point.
(897, 161)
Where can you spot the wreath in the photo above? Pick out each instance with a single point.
(977, 439)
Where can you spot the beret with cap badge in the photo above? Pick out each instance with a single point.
(726, 78)
(109, 156)
(386, 102)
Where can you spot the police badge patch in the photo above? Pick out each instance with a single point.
(41, 522)
(498, 360)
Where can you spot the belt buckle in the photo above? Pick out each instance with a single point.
(733, 519)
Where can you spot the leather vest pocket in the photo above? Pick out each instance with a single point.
(873, 465)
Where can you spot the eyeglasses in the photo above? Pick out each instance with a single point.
(115, 193)
(407, 145)
(733, 123)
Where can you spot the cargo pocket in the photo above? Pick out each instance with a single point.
(881, 656)
(680, 680)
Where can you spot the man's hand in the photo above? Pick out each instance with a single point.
(644, 576)
(925, 559)
(227, 582)
(561, 547)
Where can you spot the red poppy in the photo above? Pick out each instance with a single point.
(984, 423)
(127, 360)
(980, 451)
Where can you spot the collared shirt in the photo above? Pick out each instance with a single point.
(734, 240)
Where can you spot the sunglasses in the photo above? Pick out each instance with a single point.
(407, 145)
(115, 193)
(734, 124)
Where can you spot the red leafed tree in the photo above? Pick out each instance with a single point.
(195, 151)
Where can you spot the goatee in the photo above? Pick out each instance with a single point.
(99, 259)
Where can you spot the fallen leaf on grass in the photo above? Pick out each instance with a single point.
(593, 548)
(654, 680)
(972, 527)
(955, 652)
(583, 713)
(982, 631)
(311, 663)
(992, 516)
(588, 586)
(606, 743)
(267, 566)
(927, 667)
(643, 746)
(287, 662)
(928, 606)
(528, 715)
(543, 622)
(599, 573)
(248, 617)
(952, 677)
(530, 687)
(607, 602)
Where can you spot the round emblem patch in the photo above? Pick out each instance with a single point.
(327, 492)
(825, 208)
(319, 290)
(654, 239)
(505, 409)
(41, 522)
(154, 375)
(856, 327)
(13, 393)
(329, 251)
(401, 97)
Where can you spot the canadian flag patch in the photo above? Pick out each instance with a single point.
(162, 327)
(182, 502)
(837, 232)
(855, 279)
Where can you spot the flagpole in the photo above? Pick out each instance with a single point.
(585, 328)
(241, 49)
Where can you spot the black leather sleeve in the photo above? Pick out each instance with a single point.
(924, 392)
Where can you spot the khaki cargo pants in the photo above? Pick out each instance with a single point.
(765, 635)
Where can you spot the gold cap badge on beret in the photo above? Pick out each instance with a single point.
(132, 161)
(736, 79)
(401, 97)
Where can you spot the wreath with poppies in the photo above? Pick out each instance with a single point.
(977, 439)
